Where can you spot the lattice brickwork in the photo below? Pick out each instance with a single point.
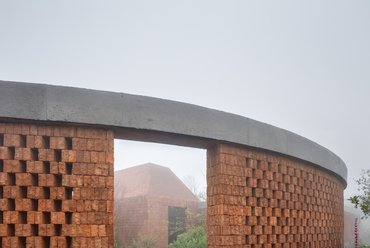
(256, 199)
(56, 186)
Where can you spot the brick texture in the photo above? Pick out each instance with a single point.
(56, 186)
(257, 199)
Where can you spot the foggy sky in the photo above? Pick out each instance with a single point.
(301, 66)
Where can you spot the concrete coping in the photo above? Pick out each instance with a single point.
(150, 119)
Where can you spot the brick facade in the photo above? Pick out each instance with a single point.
(258, 199)
(56, 186)
(56, 190)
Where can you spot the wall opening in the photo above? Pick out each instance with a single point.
(155, 210)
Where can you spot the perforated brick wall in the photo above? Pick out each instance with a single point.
(258, 199)
(56, 186)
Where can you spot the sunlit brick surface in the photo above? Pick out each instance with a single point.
(56, 186)
(257, 199)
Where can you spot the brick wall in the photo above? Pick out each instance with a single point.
(258, 199)
(56, 186)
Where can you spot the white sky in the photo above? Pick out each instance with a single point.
(300, 65)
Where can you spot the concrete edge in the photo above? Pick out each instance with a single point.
(120, 111)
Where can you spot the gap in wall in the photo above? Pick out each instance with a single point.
(186, 163)
(183, 161)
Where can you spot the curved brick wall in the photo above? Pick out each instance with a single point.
(258, 199)
(56, 177)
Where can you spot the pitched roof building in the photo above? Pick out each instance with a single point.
(145, 198)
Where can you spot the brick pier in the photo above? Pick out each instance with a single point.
(56, 186)
(257, 199)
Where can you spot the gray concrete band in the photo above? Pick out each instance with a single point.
(153, 119)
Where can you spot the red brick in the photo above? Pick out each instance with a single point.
(69, 156)
(12, 166)
(47, 155)
(3, 230)
(13, 140)
(5, 153)
(58, 143)
(23, 179)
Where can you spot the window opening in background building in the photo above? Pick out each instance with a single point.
(176, 222)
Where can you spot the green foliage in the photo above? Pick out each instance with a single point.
(195, 237)
(116, 244)
(363, 201)
(144, 242)
(195, 220)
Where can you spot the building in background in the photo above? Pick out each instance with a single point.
(149, 199)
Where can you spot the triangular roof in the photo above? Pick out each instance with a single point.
(150, 179)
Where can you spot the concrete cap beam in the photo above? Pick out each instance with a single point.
(157, 120)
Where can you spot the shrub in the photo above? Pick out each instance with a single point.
(195, 237)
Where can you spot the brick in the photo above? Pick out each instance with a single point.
(110, 206)
(51, 180)
(41, 142)
(54, 167)
(252, 182)
(12, 166)
(257, 174)
(4, 178)
(30, 141)
(47, 155)
(94, 230)
(23, 179)
(58, 143)
(87, 230)
(69, 156)
(100, 170)
(9, 128)
(42, 180)
(109, 157)
(13, 140)
(57, 193)
(262, 183)
(97, 133)
(79, 144)
(26, 154)
(98, 145)
(3, 230)
(5, 153)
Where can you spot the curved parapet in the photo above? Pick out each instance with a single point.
(152, 119)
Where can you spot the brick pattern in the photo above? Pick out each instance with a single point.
(258, 199)
(56, 186)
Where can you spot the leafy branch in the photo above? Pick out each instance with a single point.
(363, 201)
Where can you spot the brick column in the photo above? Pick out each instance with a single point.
(56, 186)
(258, 199)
